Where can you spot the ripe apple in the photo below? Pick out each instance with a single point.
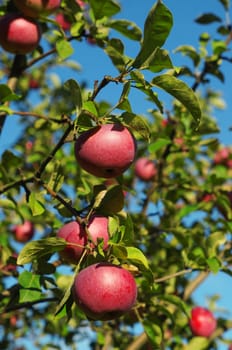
(106, 151)
(230, 347)
(221, 155)
(145, 169)
(24, 232)
(202, 322)
(76, 238)
(62, 20)
(104, 291)
(35, 8)
(18, 34)
(98, 229)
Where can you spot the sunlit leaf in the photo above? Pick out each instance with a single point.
(156, 30)
(37, 249)
(181, 91)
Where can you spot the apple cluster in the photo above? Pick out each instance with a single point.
(102, 290)
(25, 21)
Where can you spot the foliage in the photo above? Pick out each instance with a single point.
(156, 232)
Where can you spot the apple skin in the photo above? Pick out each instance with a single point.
(18, 34)
(98, 228)
(24, 232)
(104, 291)
(106, 151)
(74, 233)
(64, 23)
(145, 169)
(202, 322)
(35, 8)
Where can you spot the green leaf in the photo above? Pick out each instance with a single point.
(127, 28)
(156, 30)
(199, 343)
(207, 18)
(187, 210)
(6, 94)
(28, 295)
(137, 124)
(30, 284)
(110, 201)
(90, 107)
(75, 92)
(213, 242)
(104, 8)
(10, 160)
(6, 109)
(175, 300)
(37, 249)
(117, 57)
(225, 3)
(214, 264)
(154, 334)
(136, 255)
(64, 48)
(191, 52)
(158, 144)
(29, 280)
(181, 92)
(36, 206)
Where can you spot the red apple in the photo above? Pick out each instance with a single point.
(24, 232)
(98, 228)
(230, 347)
(106, 151)
(80, 3)
(18, 34)
(62, 20)
(104, 291)
(35, 8)
(202, 322)
(76, 238)
(145, 169)
(224, 157)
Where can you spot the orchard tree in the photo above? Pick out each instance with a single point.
(110, 220)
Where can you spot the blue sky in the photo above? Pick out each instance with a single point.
(184, 31)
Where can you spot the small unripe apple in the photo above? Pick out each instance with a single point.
(35, 8)
(106, 151)
(145, 169)
(104, 291)
(75, 236)
(98, 229)
(24, 232)
(18, 34)
(202, 322)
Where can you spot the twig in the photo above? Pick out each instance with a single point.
(139, 341)
(176, 274)
(195, 283)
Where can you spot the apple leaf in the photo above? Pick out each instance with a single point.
(214, 264)
(75, 92)
(137, 124)
(199, 343)
(28, 279)
(181, 92)
(6, 94)
(104, 8)
(158, 144)
(31, 289)
(175, 300)
(36, 206)
(110, 201)
(37, 249)
(136, 255)
(154, 334)
(213, 242)
(156, 30)
(127, 28)
(64, 48)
